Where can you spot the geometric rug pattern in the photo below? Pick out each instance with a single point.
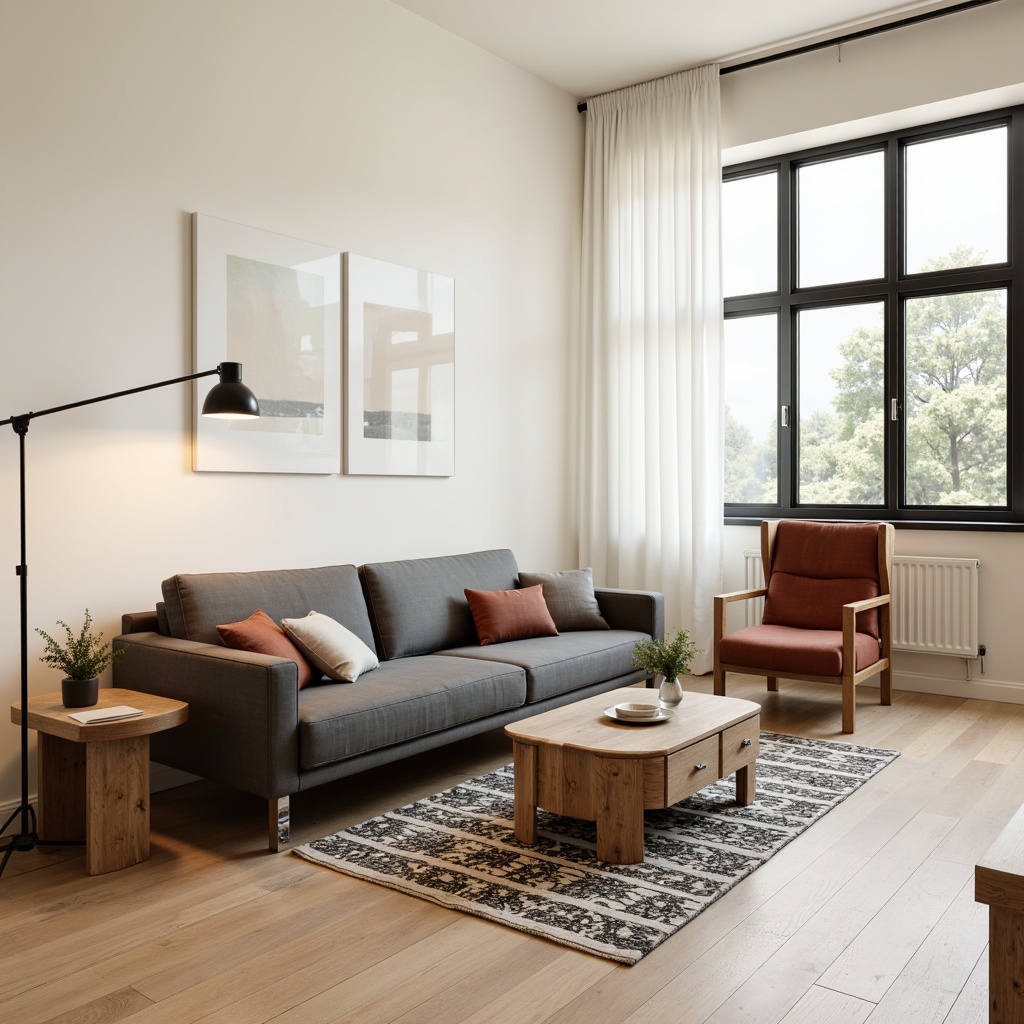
(457, 849)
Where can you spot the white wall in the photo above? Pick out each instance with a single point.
(959, 64)
(347, 122)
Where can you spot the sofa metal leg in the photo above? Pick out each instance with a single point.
(773, 684)
(279, 823)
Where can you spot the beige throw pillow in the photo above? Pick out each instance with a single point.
(335, 650)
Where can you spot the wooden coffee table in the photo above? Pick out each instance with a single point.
(575, 761)
(94, 779)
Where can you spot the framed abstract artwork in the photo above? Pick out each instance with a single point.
(273, 304)
(399, 370)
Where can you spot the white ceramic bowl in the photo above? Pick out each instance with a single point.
(634, 710)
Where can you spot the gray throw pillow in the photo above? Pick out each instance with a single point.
(570, 598)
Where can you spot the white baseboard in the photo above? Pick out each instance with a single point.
(160, 777)
(7, 807)
(980, 687)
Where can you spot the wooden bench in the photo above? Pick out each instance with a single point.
(999, 882)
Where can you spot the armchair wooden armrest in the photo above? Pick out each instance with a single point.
(850, 613)
(868, 602)
(740, 595)
(721, 600)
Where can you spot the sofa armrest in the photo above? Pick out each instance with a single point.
(140, 622)
(242, 726)
(640, 610)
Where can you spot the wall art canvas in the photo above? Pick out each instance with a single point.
(399, 370)
(273, 304)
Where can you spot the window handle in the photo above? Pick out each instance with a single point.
(784, 415)
(894, 410)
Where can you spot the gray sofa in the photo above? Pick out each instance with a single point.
(252, 728)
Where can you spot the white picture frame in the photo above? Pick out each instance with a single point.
(273, 304)
(399, 342)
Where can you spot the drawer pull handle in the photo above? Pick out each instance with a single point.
(699, 767)
(746, 743)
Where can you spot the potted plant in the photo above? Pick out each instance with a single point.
(668, 658)
(81, 658)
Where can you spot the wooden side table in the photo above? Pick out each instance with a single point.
(999, 882)
(94, 779)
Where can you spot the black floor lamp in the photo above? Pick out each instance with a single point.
(228, 399)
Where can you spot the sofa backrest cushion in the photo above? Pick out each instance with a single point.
(419, 605)
(819, 567)
(197, 603)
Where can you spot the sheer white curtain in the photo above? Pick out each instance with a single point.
(651, 427)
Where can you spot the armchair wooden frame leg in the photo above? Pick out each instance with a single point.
(885, 687)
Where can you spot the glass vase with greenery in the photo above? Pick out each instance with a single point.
(669, 658)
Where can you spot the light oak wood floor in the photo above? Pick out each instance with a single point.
(868, 916)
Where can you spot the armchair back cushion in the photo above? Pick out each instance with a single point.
(816, 568)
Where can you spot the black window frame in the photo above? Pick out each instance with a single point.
(892, 290)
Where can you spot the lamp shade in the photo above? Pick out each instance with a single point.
(230, 399)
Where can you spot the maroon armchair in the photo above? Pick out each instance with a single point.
(826, 610)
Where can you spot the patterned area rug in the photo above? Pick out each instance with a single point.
(457, 849)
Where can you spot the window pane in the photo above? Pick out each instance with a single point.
(750, 215)
(956, 201)
(956, 399)
(841, 220)
(841, 405)
(751, 400)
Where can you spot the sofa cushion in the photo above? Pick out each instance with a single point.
(570, 598)
(419, 606)
(556, 665)
(782, 649)
(196, 603)
(402, 700)
(335, 650)
(262, 635)
(503, 615)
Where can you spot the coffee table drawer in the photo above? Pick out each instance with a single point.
(691, 769)
(740, 744)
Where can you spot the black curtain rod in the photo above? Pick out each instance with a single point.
(824, 44)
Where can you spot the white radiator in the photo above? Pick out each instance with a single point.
(934, 603)
(753, 579)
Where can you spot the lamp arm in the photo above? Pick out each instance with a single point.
(20, 423)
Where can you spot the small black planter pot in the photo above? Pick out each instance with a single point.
(80, 693)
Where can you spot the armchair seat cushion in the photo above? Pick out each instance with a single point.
(779, 650)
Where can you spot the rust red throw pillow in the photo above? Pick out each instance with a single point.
(262, 635)
(501, 615)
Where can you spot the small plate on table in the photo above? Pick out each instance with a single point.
(617, 714)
